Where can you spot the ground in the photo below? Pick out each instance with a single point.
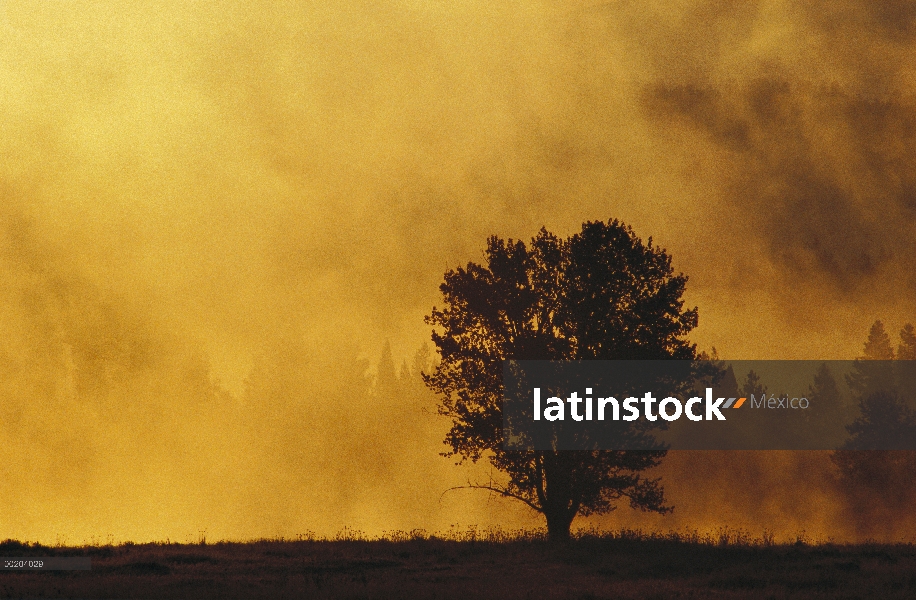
(613, 566)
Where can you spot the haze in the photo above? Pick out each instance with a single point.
(214, 216)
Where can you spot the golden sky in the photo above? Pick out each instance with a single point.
(191, 189)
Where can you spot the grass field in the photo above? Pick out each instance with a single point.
(621, 565)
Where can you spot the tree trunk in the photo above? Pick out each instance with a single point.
(558, 524)
(556, 496)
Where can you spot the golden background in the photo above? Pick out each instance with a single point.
(214, 217)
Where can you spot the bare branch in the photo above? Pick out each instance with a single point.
(491, 487)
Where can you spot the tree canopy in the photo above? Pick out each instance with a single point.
(601, 294)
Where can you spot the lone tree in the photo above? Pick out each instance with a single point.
(601, 294)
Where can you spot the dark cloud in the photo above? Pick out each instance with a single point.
(821, 174)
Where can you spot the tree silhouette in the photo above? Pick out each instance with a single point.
(873, 372)
(600, 294)
(907, 348)
(885, 422)
(753, 386)
(875, 469)
(906, 364)
(832, 412)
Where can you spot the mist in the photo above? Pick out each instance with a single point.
(214, 219)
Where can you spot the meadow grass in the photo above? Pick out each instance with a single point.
(476, 563)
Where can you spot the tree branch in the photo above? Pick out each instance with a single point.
(496, 489)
